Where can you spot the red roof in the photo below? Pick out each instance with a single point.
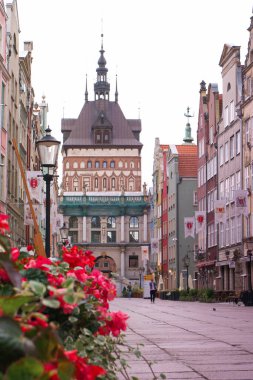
(187, 160)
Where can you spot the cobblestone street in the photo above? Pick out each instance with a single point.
(189, 340)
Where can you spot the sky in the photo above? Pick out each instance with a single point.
(160, 50)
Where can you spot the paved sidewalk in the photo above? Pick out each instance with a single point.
(189, 340)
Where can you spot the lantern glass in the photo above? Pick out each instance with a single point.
(48, 148)
(64, 231)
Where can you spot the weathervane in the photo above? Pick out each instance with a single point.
(188, 114)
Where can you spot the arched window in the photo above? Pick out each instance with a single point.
(75, 165)
(111, 222)
(82, 165)
(132, 165)
(131, 184)
(120, 164)
(133, 222)
(96, 182)
(75, 184)
(97, 165)
(104, 183)
(67, 165)
(113, 183)
(73, 222)
(112, 164)
(95, 222)
(104, 164)
(89, 164)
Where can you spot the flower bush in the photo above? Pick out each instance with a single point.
(55, 321)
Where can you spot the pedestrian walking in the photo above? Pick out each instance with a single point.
(129, 290)
(153, 289)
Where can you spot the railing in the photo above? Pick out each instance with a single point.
(103, 200)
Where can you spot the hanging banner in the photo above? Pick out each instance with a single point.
(241, 202)
(154, 246)
(144, 252)
(189, 226)
(220, 211)
(200, 221)
(35, 184)
(28, 220)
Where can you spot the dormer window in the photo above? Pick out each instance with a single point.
(102, 136)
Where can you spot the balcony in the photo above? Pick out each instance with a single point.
(103, 205)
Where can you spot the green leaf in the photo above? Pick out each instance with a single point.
(35, 274)
(54, 304)
(27, 368)
(66, 370)
(69, 282)
(12, 344)
(38, 288)
(10, 305)
(5, 243)
(69, 298)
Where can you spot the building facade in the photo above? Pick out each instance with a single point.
(104, 203)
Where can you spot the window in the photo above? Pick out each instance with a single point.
(232, 187)
(82, 165)
(67, 165)
(239, 229)
(134, 222)
(195, 198)
(97, 164)
(132, 165)
(111, 236)
(221, 235)
(111, 222)
(113, 183)
(73, 237)
(226, 152)
(95, 236)
(221, 190)
(232, 111)
(104, 164)
(228, 86)
(89, 164)
(237, 142)
(221, 155)
(227, 232)
(247, 131)
(104, 183)
(227, 189)
(131, 184)
(133, 261)
(226, 121)
(95, 222)
(211, 135)
(75, 165)
(86, 184)
(120, 164)
(112, 164)
(75, 184)
(238, 180)
(232, 147)
(134, 236)
(73, 222)
(233, 231)
(246, 176)
(96, 182)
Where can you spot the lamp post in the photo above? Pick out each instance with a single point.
(48, 148)
(64, 232)
(141, 270)
(186, 261)
(249, 277)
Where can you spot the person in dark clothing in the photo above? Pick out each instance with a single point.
(152, 286)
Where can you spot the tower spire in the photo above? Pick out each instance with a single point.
(188, 137)
(102, 87)
(86, 91)
(116, 92)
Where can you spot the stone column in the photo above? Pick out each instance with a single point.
(122, 263)
(145, 226)
(122, 222)
(84, 229)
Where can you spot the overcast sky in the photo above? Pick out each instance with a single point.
(161, 50)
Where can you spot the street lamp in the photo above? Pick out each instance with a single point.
(249, 253)
(141, 270)
(64, 232)
(48, 148)
(186, 261)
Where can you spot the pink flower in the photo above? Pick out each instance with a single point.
(14, 254)
(4, 226)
